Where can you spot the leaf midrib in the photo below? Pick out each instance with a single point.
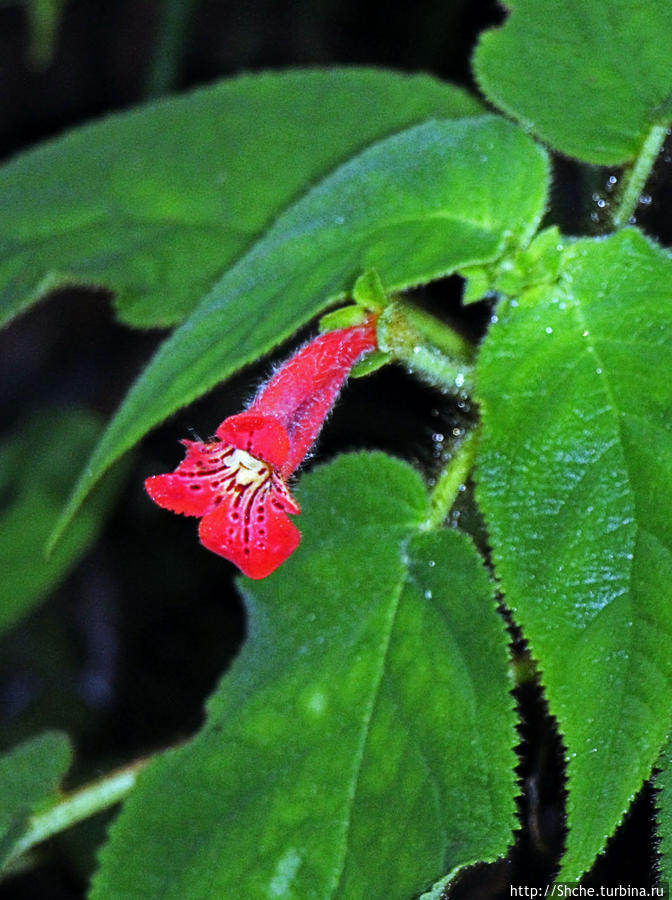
(375, 697)
(608, 744)
(17, 245)
(359, 759)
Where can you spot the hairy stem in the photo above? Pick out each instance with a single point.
(450, 481)
(44, 20)
(170, 44)
(76, 806)
(441, 336)
(426, 346)
(634, 180)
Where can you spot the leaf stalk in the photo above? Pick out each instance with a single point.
(426, 347)
(451, 481)
(636, 177)
(76, 806)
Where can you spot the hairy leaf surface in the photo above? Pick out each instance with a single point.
(589, 78)
(155, 204)
(361, 745)
(575, 480)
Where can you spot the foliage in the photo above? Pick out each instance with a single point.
(29, 777)
(363, 742)
(122, 204)
(558, 49)
(36, 471)
(580, 544)
(284, 788)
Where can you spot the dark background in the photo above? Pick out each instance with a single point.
(126, 650)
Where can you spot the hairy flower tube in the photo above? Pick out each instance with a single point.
(237, 482)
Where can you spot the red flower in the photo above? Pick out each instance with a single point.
(237, 483)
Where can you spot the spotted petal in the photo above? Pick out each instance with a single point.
(195, 484)
(236, 482)
(242, 499)
(250, 526)
(260, 435)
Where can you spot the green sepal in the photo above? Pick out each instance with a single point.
(369, 291)
(371, 363)
(345, 317)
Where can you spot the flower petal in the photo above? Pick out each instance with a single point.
(260, 435)
(192, 488)
(236, 482)
(251, 529)
(304, 389)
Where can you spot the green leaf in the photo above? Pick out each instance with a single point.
(566, 72)
(575, 481)
(663, 785)
(36, 470)
(361, 744)
(29, 778)
(157, 203)
(415, 206)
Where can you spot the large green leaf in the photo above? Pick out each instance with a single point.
(590, 78)
(575, 480)
(37, 465)
(29, 777)
(157, 203)
(361, 745)
(663, 784)
(415, 206)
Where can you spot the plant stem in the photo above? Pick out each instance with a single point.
(169, 47)
(438, 369)
(78, 805)
(426, 346)
(636, 177)
(450, 481)
(440, 335)
(44, 19)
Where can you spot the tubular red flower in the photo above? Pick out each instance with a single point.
(236, 483)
